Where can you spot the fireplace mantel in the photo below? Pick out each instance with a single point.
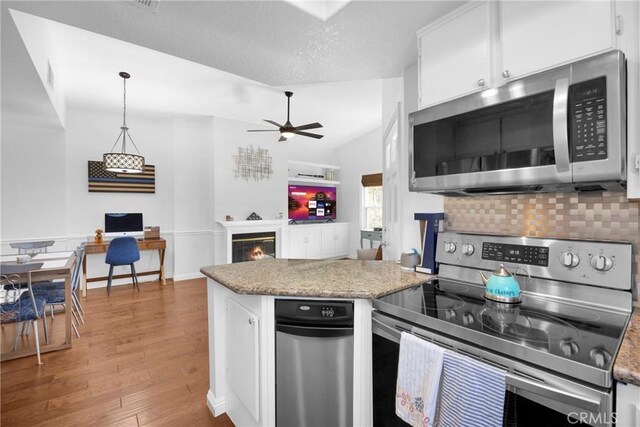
(257, 226)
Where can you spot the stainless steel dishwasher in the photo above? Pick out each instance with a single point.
(314, 363)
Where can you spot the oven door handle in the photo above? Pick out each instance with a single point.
(516, 383)
(560, 125)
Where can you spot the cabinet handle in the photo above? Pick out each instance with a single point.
(251, 321)
(506, 74)
(481, 82)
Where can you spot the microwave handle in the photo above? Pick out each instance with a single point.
(560, 129)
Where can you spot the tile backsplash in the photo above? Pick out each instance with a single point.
(587, 216)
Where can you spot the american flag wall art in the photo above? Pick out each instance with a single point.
(103, 181)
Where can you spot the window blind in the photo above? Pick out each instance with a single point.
(372, 180)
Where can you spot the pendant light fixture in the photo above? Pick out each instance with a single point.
(123, 162)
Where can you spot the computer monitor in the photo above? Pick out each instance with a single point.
(123, 224)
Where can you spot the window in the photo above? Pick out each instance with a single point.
(372, 207)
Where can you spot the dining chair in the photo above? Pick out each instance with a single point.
(54, 293)
(122, 251)
(32, 247)
(17, 309)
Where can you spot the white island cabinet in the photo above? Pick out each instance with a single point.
(242, 332)
(242, 357)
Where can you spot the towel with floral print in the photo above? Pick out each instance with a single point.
(418, 384)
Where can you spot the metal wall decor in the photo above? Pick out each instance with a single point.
(254, 164)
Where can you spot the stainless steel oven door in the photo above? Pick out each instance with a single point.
(549, 397)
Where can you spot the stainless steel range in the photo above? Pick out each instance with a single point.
(558, 346)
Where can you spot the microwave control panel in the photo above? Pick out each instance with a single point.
(588, 117)
(520, 254)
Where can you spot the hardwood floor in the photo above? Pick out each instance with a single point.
(141, 359)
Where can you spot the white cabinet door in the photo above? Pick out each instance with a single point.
(342, 240)
(455, 55)
(314, 243)
(297, 243)
(243, 358)
(538, 35)
(328, 241)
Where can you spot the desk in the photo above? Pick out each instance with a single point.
(57, 266)
(371, 236)
(144, 245)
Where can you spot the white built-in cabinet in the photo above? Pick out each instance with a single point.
(304, 242)
(310, 241)
(486, 44)
(627, 405)
(538, 35)
(335, 240)
(454, 54)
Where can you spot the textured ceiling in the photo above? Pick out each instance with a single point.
(271, 42)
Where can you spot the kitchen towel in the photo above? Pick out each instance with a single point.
(471, 394)
(419, 370)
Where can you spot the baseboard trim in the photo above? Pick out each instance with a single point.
(216, 406)
(188, 276)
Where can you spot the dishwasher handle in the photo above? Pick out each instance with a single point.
(314, 331)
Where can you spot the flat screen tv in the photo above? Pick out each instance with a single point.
(312, 203)
(123, 224)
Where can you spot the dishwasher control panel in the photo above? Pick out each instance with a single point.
(295, 311)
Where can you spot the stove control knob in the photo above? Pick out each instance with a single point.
(450, 314)
(468, 249)
(569, 348)
(449, 247)
(569, 259)
(600, 357)
(601, 263)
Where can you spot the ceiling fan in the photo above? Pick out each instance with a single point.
(288, 130)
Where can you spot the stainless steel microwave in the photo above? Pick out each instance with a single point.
(558, 130)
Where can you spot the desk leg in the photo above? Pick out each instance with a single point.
(162, 278)
(83, 280)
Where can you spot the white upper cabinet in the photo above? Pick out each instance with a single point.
(486, 44)
(455, 55)
(538, 35)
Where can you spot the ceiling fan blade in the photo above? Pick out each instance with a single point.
(310, 135)
(282, 138)
(309, 126)
(263, 130)
(273, 123)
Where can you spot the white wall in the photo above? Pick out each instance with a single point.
(33, 161)
(360, 156)
(45, 172)
(239, 197)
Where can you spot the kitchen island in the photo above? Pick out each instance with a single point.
(241, 304)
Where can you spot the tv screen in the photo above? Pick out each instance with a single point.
(122, 222)
(312, 203)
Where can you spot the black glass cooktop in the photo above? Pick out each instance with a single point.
(581, 334)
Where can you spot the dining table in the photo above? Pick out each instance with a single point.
(56, 266)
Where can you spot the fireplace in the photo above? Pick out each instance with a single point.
(253, 246)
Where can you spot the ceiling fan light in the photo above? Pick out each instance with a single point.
(288, 134)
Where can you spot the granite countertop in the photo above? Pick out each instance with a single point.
(315, 278)
(627, 365)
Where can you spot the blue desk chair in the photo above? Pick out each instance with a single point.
(122, 251)
(14, 308)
